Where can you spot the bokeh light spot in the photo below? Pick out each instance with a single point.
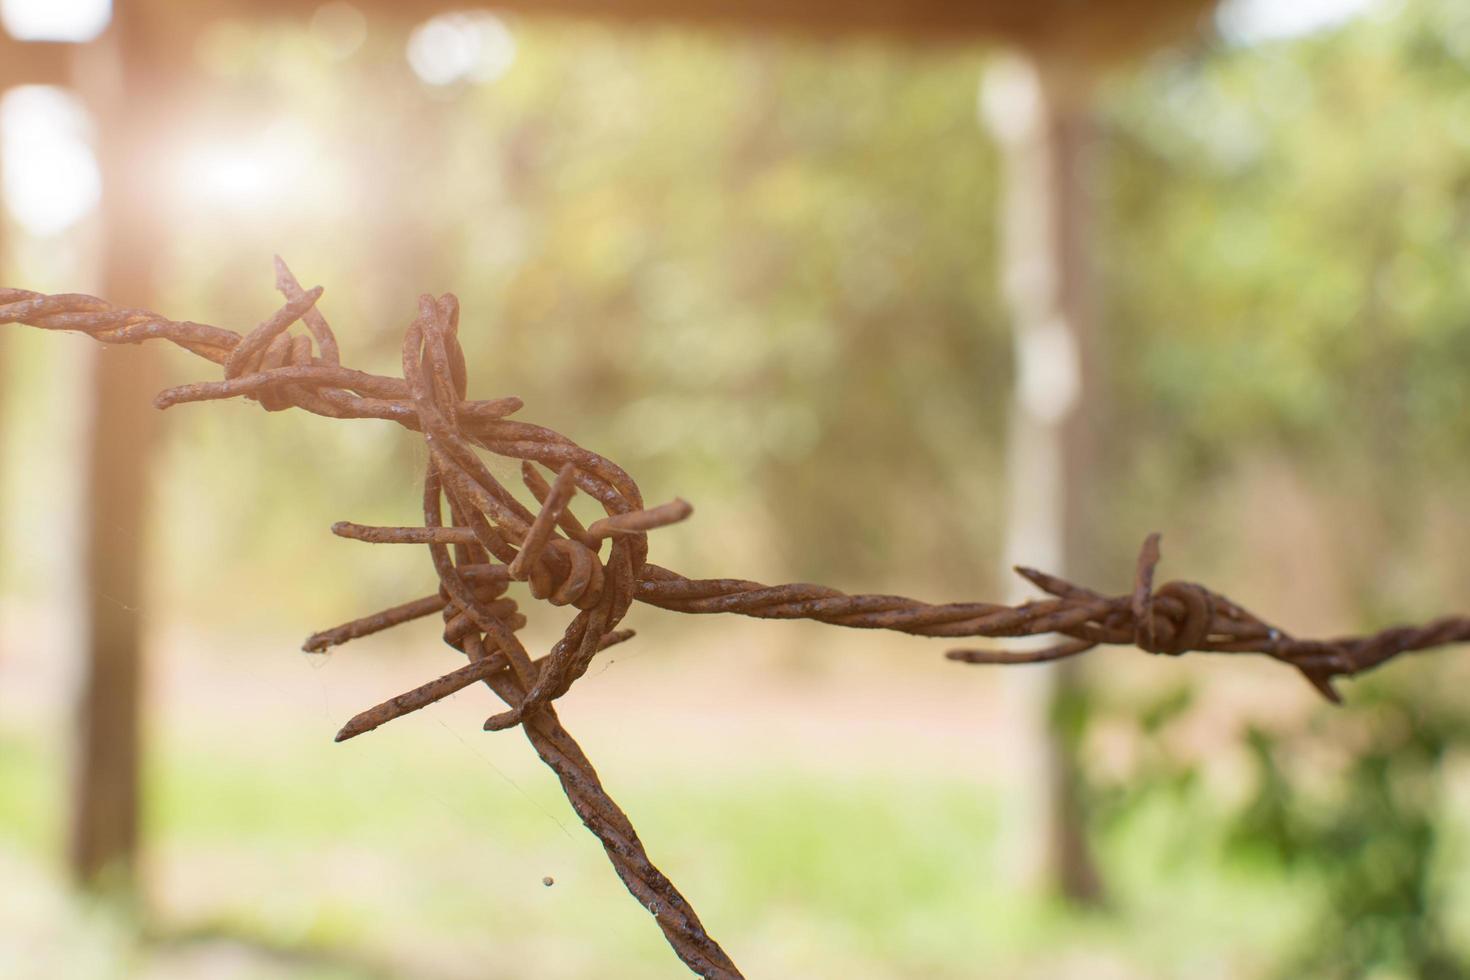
(471, 46)
(55, 20)
(247, 169)
(51, 176)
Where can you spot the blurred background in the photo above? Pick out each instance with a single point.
(896, 296)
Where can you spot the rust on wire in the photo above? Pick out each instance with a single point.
(492, 540)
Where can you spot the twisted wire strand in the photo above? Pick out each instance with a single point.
(494, 540)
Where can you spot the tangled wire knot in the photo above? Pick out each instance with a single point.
(492, 540)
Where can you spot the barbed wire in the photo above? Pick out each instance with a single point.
(493, 540)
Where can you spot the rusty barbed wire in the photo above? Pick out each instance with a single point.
(493, 540)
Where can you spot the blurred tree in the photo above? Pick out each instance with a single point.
(1040, 110)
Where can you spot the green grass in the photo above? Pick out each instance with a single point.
(401, 856)
(877, 867)
(29, 796)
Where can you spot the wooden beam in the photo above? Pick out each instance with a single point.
(1093, 32)
(1100, 30)
(1103, 30)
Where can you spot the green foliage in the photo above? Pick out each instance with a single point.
(1349, 805)
(1160, 769)
(1374, 838)
(1293, 241)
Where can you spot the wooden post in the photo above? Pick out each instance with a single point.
(1039, 115)
(33, 62)
(5, 277)
(116, 76)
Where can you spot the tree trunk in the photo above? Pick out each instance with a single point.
(1039, 114)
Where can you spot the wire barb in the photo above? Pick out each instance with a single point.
(637, 522)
